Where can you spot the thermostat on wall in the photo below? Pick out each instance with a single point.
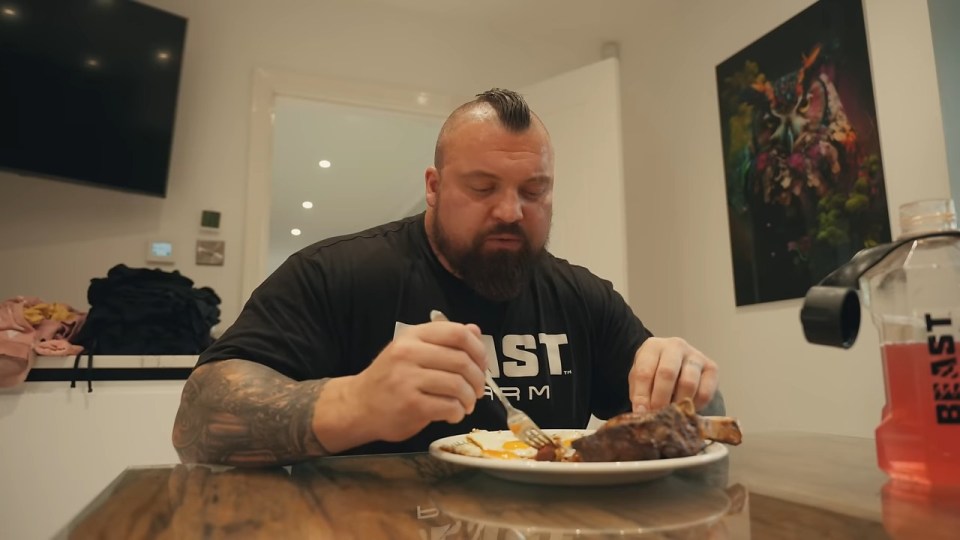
(210, 220)
(160, 251)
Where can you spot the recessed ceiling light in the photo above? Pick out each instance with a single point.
(324, 164)
(307, 204)
(9, 11)
(295, 232)
(92, 63)
(163, 56)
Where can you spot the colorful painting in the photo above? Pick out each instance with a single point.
(804, 178)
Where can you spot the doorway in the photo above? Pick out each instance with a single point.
(338, 169)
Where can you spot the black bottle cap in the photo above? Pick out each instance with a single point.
(831, 316)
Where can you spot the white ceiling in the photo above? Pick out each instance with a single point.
(376, 175)
(580, 22)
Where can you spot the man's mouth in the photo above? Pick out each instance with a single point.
(505, 240)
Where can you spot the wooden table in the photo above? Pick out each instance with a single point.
(788, 485)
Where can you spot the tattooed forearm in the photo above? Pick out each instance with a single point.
(242, 413)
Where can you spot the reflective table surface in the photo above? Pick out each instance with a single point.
(775, 485)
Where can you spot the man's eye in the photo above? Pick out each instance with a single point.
(483, 189)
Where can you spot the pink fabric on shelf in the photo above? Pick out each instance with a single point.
(16, 342)
(21, 342)
(57, 347)
(60, 330)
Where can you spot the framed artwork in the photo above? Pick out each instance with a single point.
(804, 177)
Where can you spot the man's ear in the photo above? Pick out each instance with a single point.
(432, 181)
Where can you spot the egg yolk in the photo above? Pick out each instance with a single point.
(515, 445)
(500, 455)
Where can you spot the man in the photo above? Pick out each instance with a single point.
(334, 352)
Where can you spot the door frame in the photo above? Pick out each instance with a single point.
(268, 84)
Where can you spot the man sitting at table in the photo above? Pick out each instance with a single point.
(333, 353)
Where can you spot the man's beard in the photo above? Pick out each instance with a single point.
(498, 275)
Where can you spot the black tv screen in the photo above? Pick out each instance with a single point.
(88, 91)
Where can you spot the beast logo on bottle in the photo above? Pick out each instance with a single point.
(943, 371)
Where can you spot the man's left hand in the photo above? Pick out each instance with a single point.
(667, 370)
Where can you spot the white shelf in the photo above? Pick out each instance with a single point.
(118, 361)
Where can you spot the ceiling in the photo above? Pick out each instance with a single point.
(553, 21)
(377, 160)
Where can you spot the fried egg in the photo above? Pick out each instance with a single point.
(500, 445)
(505, 445)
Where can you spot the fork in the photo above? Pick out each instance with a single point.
(519, 423)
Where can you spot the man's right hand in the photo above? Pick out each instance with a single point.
(431, 372)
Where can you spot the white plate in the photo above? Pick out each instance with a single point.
(565, 473)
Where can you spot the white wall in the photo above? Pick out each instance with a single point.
(944, 21)
(62, 446)
(67, 234)
(680, 263)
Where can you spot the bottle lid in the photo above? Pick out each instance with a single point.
(925, 216)
(831, 316)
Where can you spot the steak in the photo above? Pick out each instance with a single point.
(672, 432)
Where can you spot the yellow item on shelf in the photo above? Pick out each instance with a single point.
(55, 312)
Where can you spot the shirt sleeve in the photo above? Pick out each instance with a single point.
(617, 334)
(286, 325)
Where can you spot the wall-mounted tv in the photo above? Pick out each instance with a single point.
(88, 91)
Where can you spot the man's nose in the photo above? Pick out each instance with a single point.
(509, 208)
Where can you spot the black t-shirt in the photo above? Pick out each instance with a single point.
(560, 351)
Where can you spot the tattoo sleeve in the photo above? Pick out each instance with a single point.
(241, 413)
